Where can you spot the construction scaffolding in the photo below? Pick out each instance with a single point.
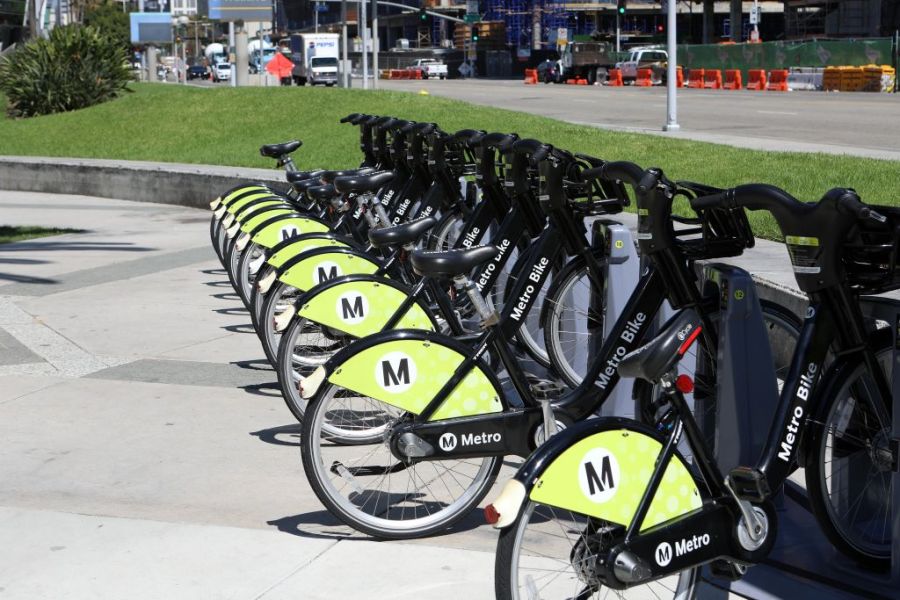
(529, 23)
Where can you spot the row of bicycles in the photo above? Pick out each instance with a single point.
(465, 297)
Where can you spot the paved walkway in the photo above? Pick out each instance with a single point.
(146, 450)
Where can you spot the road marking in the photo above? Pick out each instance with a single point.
(776, 112)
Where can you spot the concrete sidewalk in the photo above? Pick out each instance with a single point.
(147, 452)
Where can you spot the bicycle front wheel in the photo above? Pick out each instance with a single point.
(371, 490)
(552, 554)
(848, 478)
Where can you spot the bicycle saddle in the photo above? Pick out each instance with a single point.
(364, 182)
(279, 150)
(322, 192)
(451, 262)
(295, 176)
(305, 184)
(330, 176)
(405, 233)
(658, 356)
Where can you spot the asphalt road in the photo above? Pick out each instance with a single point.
(863, 124)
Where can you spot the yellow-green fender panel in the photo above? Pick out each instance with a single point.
(409, 373)
(256, 207)
(242, 202)
(258, 219)
(283, 229)
(361, 308)
(605, 475)
(311, 271)
(290, 251)
(228, 199)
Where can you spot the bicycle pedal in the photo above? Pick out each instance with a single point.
(725, 569)
(749, 484)
(543, 389)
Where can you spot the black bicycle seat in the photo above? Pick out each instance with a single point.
(405, 233)
(295, 176)
(330, 176)
(363, 182)
(279, 150)
(451, 262)
(322, 192)
(305, 184)
(658, 356)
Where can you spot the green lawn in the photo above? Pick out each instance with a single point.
(9, 233)
(227, 125)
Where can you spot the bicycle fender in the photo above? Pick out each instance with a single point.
(261, 216)
(406, 369)
(225, 198)
(313, 267)
(286, 228)
(360, 305)
(247, 209)
(601, 468)
(294, 246)
(247, 200)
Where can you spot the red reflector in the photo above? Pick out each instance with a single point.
(684, 384)
(491, 515)
(690, 340)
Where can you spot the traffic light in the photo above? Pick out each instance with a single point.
(660, 29)
(620, 7)
(423, 16)
(474, 33)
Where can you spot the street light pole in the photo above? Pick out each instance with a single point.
(374, 43)
(345, 73)
(671, 71)
(362, 21)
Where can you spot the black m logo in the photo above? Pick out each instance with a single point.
(352, 311)
(603, 481)
(398, 377)
(324, 275)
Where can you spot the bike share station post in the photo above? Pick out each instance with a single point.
(803, 563)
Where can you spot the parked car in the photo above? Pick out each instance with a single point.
(548, 71)
(654, 59)
(221, 71)
(431, 68)
(198, 72)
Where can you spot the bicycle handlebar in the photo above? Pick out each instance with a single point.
(615, 171)
(349, 118)
(500, 141)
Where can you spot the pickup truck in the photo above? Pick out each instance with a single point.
(431, 68)
(645, 58)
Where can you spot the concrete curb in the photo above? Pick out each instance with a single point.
(166, 183)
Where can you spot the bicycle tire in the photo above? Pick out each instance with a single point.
(509, 552)
(824, 441)
(384, 524)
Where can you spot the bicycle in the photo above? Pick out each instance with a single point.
(638, 519)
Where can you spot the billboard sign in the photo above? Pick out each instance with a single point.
(151, 28)
(240, 10)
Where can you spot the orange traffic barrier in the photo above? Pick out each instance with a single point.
(778, 81)
(733, 80)
(644, 78)
(531, 76)
(581, 81)
(417, 73)
(695, 79)
(712, 79)
(395, 73)
(679, 79)
(756, 79)
(570, 82)
(614, 78)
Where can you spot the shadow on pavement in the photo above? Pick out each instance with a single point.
(241, 328)
(226, 296)
(23, 261)
(71, 245)
(268, 390)
(237, 310)
(225, 283)
(283, 435)
(298, 525)
(27, 279)
(214, 271)
(258, 364)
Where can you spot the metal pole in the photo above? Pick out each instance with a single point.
(374, 44)
(316, 16)
(345, 72)
(183, 69)
(618, 33)
(232, 54)
(671, 71)
(196, 41)
(361, 22)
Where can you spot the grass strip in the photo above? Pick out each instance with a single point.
(226, 126)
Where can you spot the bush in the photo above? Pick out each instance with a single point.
(74, 68)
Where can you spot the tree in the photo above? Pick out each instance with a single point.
(110, 20)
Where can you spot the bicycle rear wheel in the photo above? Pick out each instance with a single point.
(367, 487)
(549, 553)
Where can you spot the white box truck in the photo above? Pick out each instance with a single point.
(315, 57)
